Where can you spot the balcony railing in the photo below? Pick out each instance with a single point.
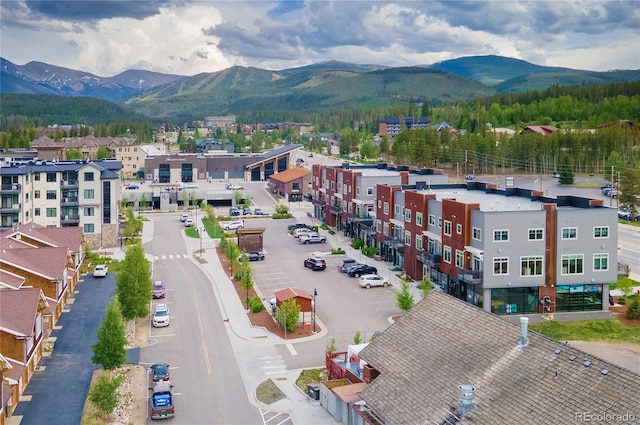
(368, 230)
(470, 276)
(72, 200)
(10, 208)
(623, 270)
(69, 219)
(11, 188)
(69, 183)
(393, 241)
(351, 217)
(428, 259)
(334, 209)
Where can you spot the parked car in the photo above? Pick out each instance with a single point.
(315, 263)
(100, 270)
(157, 290)
(188, 222)
(234, 187)
(346, 263)
(159, 372)
(184, 217)
(254, 256)
(307, 238)
(132, 187)
(258, 211)
(310, 155)
(301, 231)
(369, 280)
(469, 177)
(161, 316)
(624, 214)
(246, 211)
(297, 226)
(233, 211)
(361, 270)
(161, 401)
(556, 175)
(233, 225)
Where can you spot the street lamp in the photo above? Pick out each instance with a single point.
(315, 294)
(201, 230)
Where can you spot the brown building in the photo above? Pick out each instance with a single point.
(291, 184)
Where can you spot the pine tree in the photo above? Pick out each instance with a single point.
(110, 351)
(404, 297)
(133, 285)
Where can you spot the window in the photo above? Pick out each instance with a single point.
(460, 259)
(419, 241)
(378, 226)
(386, 208)
(36, 194)
(36, 176)
(459, 229)
(339, 186)
(407, 238)
(51, 177)
(535, 234)
(432, 220)
(419, 219)
(573, 264)
(439, 222)
(500, 265)
(447, 228)
(358, 190)
(447, 254)
(51, 212)
(501, 235)
(398, 208)
(89, 211)
(407, 215)
(51, 194)
(88, 193)
(600, 262)
(601, 232)
(88, 228)
(531, 266)
(379, 203)
(385, 229)
(333, 185)
(370, 191)
(477, 234)
(569, 233)
(36, 212)
(88, 176)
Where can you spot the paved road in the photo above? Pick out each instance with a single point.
(64, 384)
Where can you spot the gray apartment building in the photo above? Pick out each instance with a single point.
(64, 194)
(507, 251)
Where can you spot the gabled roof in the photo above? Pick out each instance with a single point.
(286, 293)
(10, 280)
(49, 263)
(443, 342)
(290, 174)
(19, 308)
(541, 129)
(24, 236)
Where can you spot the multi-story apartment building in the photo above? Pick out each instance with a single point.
(62, 194)
(507, 251)
(391, 126)
(133, 156)
(345, 196)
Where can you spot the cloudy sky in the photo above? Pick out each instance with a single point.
(189, 37)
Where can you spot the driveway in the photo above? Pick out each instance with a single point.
(59, 391)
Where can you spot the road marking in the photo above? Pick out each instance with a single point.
(291, 349)
(170, 256)
(202, 339)
(161, 336)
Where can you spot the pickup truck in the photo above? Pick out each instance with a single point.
(161, 401)
(307, 238)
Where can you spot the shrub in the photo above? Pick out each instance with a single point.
(331, 232)
(277, 216)
(256, 305)
(622, 300)
(357, 244)
(324, 226)
(369, 251)
(336, 251)
(633, 312)
(104, 396)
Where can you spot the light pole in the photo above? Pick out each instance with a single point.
(315, 294)
(201, 230)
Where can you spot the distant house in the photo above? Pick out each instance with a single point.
(391, 126)
(544, 130)
(291, 184)
(621, 123)
(448, 362)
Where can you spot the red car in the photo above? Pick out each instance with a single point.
(158, 289)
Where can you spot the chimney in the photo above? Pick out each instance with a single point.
(524, 331)
(465, 400)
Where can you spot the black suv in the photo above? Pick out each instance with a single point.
(315, 263)
(360, 270)
(254, 256)
(297, 226)
(346, 263)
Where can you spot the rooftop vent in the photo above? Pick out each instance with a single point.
(524, 331)
(465, 400)
(587, 363)
(604, 372)
(558, 351)
(572, 358)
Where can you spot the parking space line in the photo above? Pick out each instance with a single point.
(291, 349)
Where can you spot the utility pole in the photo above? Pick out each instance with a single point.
(611, 188)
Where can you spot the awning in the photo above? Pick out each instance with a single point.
(475, 251)
(397, 223)
(431, 235)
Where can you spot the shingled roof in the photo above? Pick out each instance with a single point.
(443, 342)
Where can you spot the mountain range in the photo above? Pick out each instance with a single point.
(323, 86)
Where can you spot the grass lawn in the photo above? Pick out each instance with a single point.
(589, 330)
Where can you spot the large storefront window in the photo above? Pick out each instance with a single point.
(579, 297)
(514, 300)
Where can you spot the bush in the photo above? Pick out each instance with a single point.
(331, 232)
(633, 312)
(256, 305)
(277, 216)
(336, 251)
(369, 251)
(357, 244)
(622, 300)
(104, 396)
(324, 226)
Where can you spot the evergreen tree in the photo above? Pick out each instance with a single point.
(633, 312)
(110, 351)
(133, 285)
(404, 297)
(566, 171)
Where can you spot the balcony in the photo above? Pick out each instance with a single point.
(429, 259)
(69, 220)
(335, 209)
(69, 184)
(393, 241)
(7, 208)
(69, 201)
(368, 230)
(10, 189)
(473, 277)
(351, 217)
